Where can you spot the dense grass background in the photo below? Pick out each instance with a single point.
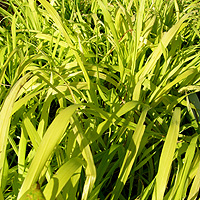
(99, 99)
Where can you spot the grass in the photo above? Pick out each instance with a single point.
(99, 99)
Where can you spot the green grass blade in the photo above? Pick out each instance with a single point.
(105, 162)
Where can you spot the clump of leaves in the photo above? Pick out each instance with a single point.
(99, 100)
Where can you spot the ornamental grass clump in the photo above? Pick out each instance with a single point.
(99, 99)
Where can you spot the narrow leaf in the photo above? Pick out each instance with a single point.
(62, 176)
(130, 156)
(167, 156)
(47, 145)
(5, 118)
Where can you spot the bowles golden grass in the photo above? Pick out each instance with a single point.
(99, 100)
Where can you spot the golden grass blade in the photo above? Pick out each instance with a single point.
(32, 133)
(127, 107)
(71, 187)
(4, 12)
(158, 93)
(87, 155)
(13, 29)
(195, 186)
(2, 74)
(44, 117)
(50, 38)
(22, 154)
(138, 29)
(33, 14)
(167, 156)
(55, 16)
(5, 118)
(177, 9)
(179, 191)
(110, 23)
(150, 65)
(46, 147)
(62, 176)
(130, 156)
(18, 104)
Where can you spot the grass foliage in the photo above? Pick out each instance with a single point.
(99, 99)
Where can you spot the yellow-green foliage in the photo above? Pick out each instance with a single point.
(99, 99)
